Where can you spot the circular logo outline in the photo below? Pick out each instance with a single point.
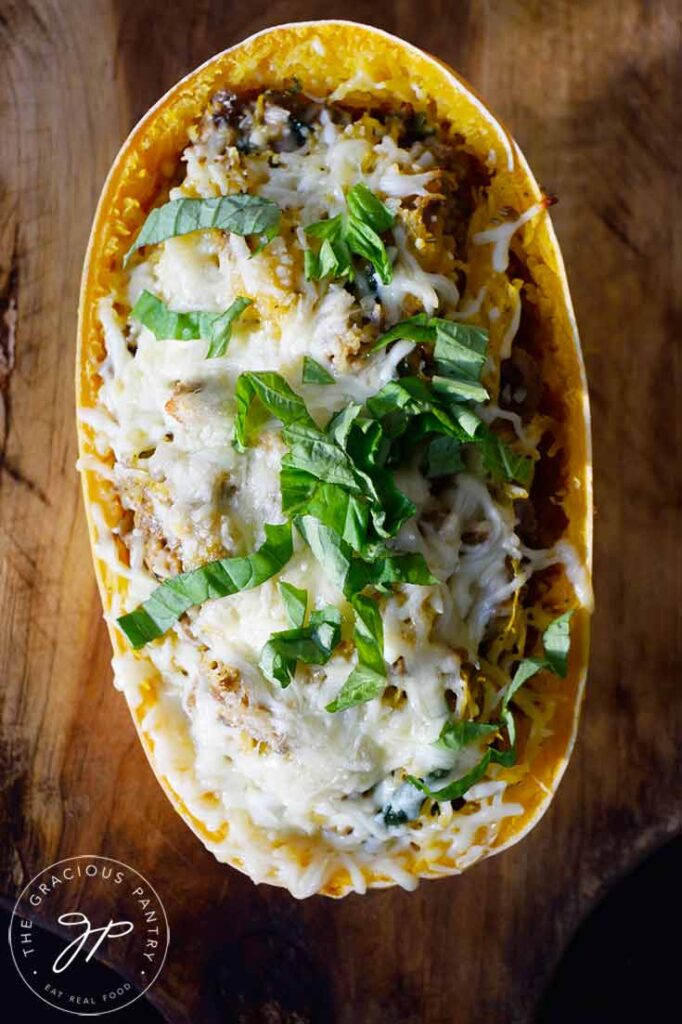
(69, 860)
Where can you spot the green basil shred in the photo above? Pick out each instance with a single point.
(354, 233)
(220, 578)
(165, 324)
(240, 214)
(314, 373)
(458, 734)
(368, 678)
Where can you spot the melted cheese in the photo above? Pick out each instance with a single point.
(235, 747)
(500, 236)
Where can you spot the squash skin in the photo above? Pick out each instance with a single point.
(143, 167)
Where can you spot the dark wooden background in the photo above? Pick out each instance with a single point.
(592, 91)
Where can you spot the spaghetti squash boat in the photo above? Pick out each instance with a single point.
(334, 444)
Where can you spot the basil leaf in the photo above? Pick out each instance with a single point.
(415, 328)
(369, 633)
(345, 513)
(460, 353)
(460, 390)
(152, 313)
(405, 806)
(443, 457)
(412, 397)
(241, 214)
(259, 393)
(502, 462)
(469, 426)
(386, 569)
(460, 349)
(218, 328)
(314, 373)
(456, 734)
(355, 233)
(215, 579)
(364, 206)
(312, 267)
(331, 261)
(330, 229)
(296, 603)
(556, 641)
(312, 451)
(456, 789)
(369, 449)
(361, 686)
(368, 678)
(334, 257)
(526, 668)
(164, 323)
(362, 240)
(312, 644)
(341, 422)
(333, 554)
(352, 574)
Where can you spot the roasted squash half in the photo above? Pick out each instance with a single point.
(334, 445)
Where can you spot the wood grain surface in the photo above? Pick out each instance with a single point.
(592, 91)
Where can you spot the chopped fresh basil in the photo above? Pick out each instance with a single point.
(219, 329)
(314, 373)
(556, 641)
(346, 514)
(456, 734)
(215, 579)
(457, 788)
(415, 328)
(399, 401)
(362, 240)
(526, 668)
(333, 554)
(368, 678)
(352, 574)
(404, 806)
(341, 422)
(333, 260)
(295, 602)
(241, 214)
(502, 462)
(355, 233)
(424, 328)
(369, 448)
(164, 323)
(313, 451)
(411, 408)
(312, 644)
(362, 685)
(459, 389)
(459, 351)
(258, 394)
(329, 229)
(364, 206)
(444, 457)
(387, 569)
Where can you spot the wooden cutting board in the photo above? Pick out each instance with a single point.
(591, 90)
